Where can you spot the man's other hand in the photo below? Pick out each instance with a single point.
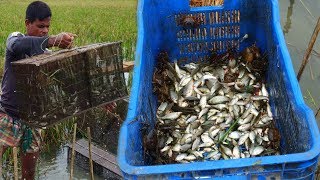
(63, 40)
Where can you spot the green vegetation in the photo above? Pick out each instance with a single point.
(92, 20)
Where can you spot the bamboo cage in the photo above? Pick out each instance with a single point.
(53, 87)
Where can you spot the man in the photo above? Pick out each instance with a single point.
(20, 46)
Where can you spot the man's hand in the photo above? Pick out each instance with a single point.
(63, 40)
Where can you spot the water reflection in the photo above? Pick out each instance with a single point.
(288, 22)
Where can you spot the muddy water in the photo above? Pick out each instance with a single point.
(298, 19)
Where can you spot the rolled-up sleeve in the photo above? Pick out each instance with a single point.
(19, 44)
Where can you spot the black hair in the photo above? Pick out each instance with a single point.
(38, 10)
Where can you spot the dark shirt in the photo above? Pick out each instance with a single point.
(18, 47)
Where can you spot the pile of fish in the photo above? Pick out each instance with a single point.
(214, 112)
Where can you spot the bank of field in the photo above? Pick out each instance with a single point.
(92, 20)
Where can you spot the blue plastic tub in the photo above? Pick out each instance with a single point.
(158, 31)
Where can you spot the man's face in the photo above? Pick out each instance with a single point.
(37, 27)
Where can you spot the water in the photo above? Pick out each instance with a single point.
(298, 19)
(54, 165)
(104, 127)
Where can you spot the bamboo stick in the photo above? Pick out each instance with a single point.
(15, 163)
(72, 151)
(1, 153)
(309, 50)
(318, 112)
(90, 153)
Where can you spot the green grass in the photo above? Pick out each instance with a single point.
(92, 20)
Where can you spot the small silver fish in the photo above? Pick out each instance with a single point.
(241, 73)
(244, 127)
(185, 137)
(218, 100)
(233, 101)
(266, 119)
(185, 80)
(229, 119)
(181, 156)
(176, 148)
(252, 76)
(214, 88)
(170, 153)
(206, 139)
(259, 98)
(235, 135)
(191, 119)
(185, 147)
(170, 139)
(214, 133)
(203, 112)
(196, 143)
(207, 77)
(236, 152)
(232, 63)
(171, 116)
(265, 138)
(173, 95)
(220, 74)
(190, 157)
(236, 111)
(247, 120)
(254, 112)
(216, 157)
(257, 150)
(204, 90)
(188, 89)
(191, 98)
(166, 148)
(176, 134)
(177, 69)
(243, 138)
(269, 110)
(226, 150)
(220, 106)
(197, 154)
(264, 90)
(252, 136)
(162, 106)
(211, 154)
(203, 102)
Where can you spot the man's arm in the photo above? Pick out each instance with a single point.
(20, 44)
